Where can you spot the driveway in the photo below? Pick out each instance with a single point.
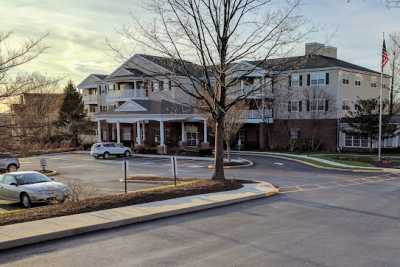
(351, 221)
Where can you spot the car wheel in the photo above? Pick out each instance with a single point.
(26, 200)
(12, 168)
(127, 154)
(106, 155)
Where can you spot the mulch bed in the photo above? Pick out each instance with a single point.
(235, 163)
(119, 200)
(157, 178)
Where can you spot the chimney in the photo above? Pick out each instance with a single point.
(320, 49)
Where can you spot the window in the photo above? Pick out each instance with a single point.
(345, 81)
(345, 105)
(152, 86)
(294, 106)
(357, 83)
(191, 135)
(170, 85)
(294, 133)
(308, 79)
(92, 108)
(319, 78)
(8, 179)
(294, 80)
(161, 85)
(301, 80)
(318, 104)
(156, 134)
(373, 84)
(354, 140)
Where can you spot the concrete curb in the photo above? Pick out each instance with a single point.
(348, 169)
(39, 231)
(249, 164)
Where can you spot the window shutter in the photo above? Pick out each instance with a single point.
(290, 80)
(289, 106)
(308, 105)
(301, 80)
(326, 105)
(300, 106)
(327, 78)
(308, 79)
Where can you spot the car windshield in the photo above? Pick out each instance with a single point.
(31, 178)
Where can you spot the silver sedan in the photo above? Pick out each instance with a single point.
(31, 187)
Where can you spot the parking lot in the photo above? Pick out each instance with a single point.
(104, 176)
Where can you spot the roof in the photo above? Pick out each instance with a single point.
(153, 107)
(175, 65)
(100, 76)
(308, 62)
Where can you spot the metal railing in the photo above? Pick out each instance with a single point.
(255, 114)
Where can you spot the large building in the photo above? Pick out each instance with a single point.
(293, 99)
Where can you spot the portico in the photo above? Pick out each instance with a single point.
(141, 128)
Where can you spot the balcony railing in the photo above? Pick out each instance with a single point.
(90, 99)
(255, 114)
(256, 91)
(124, 94)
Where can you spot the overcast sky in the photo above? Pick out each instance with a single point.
(78, 30)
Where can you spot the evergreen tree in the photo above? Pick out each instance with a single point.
(72, 116)
(364, 120)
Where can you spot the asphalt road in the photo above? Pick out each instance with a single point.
(328, 218)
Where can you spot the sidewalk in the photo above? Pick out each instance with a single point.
(20, 234)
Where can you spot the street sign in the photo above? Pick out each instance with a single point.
(43, 164)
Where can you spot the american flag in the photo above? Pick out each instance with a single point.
(385, 57)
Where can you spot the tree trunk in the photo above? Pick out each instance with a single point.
(219, 150)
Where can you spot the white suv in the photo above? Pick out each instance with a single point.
(105, 150)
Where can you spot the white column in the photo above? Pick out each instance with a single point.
(162, 141)
(99, 131)
(144, 131)
(183, 139)
(138, 134)
(118, 132)
(205, 132)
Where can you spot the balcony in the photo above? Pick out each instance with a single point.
(257, 116)
(256, 91)
(90, 99)
(125, 95)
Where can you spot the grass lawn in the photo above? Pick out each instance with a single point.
(350, 160)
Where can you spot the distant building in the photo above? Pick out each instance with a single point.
(33, 117)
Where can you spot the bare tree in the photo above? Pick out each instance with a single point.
(217, 35)
(14, 83)
(11, 58)
(394, 52)
(35, 114)
(234, 120)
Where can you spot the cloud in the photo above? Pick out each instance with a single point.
(78, 30)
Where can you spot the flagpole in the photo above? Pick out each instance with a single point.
(380, 112)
